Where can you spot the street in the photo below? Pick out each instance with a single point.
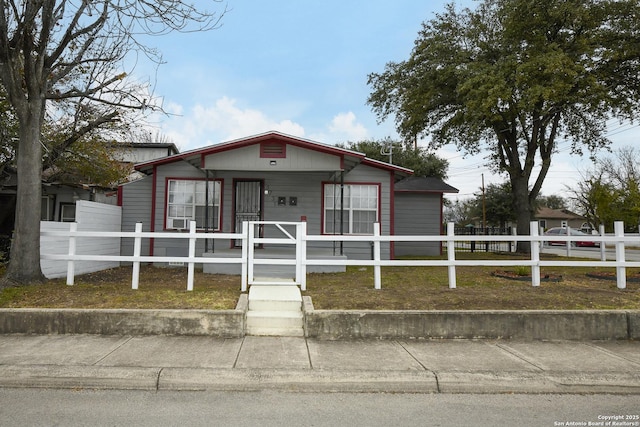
(46, 407)
(592, 253)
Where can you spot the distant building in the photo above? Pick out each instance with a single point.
(548, 218)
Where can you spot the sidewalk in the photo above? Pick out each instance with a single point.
(297, 364)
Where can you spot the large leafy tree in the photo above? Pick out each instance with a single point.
(512, 77)
(419, 159)
(61, 57)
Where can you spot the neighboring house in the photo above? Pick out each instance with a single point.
(60, 193)
(129, 154)
(548, 218)
(277, 177)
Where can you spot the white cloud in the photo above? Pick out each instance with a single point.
(222, 121)
(345, 126)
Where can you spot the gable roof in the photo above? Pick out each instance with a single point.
(547, 213)
(424, 184)
(196, 157)
(169, 146)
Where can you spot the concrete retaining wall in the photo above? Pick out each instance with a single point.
(521, 324)
(218, 323)
(334, 324)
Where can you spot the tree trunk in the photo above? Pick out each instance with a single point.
(24, 266)
(524, 212)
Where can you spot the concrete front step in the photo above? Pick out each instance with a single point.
(275, 298)
(275, 311)
(275, 323)
(275, 332)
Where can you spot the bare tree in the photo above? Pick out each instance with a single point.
(63, 57)
(611, 190)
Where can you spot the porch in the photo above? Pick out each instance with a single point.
(272, 270)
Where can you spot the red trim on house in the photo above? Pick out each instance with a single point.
(233, 203)
(273, 150)
(423, 191)
(152, 226)
(323, 183)
(386, 166)
(322, 219)
(271, 136)
(120, 191)
(180, 178)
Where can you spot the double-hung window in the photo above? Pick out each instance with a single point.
(187, 201)
(67, 212)
(360, 210)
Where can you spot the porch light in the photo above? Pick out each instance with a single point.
(273, 162)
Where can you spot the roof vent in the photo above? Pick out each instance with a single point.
(273, 150)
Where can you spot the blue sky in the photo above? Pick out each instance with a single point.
(300, 67)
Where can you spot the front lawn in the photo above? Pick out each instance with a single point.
(403, 288)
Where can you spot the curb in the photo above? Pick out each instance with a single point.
(199, 379)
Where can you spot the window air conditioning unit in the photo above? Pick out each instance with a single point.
(180, 224)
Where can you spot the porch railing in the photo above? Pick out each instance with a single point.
(619, 240)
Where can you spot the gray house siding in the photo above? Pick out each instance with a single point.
(417, 214)
(136, 207)
(369, 175)
(305, 187)
(172, 247)
(292, 174)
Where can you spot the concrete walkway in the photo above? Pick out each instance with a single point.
(161, 362)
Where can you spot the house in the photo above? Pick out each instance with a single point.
(278, 177)
(130, 153)
(548, 218)
(61, 190)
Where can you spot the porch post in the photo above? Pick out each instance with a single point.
(208, 212)
(342, 211)
(206, 208)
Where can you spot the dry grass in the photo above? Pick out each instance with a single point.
(403, 288)
(158, 288)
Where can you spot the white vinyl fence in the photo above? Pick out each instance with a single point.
(90, 216)
(619, 240)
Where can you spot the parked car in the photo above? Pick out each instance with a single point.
(561, 231)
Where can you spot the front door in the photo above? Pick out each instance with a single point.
(248, 203)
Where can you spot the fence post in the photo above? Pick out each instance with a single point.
(137, 246)
(535, 253)
(514, 243)
(603, 249)
(192, 254)
(569, 241)
(377, 280)
(621, 271)
(243, 261)
(301, 255)
(251, 250)
(71, 266)
(451, 254)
